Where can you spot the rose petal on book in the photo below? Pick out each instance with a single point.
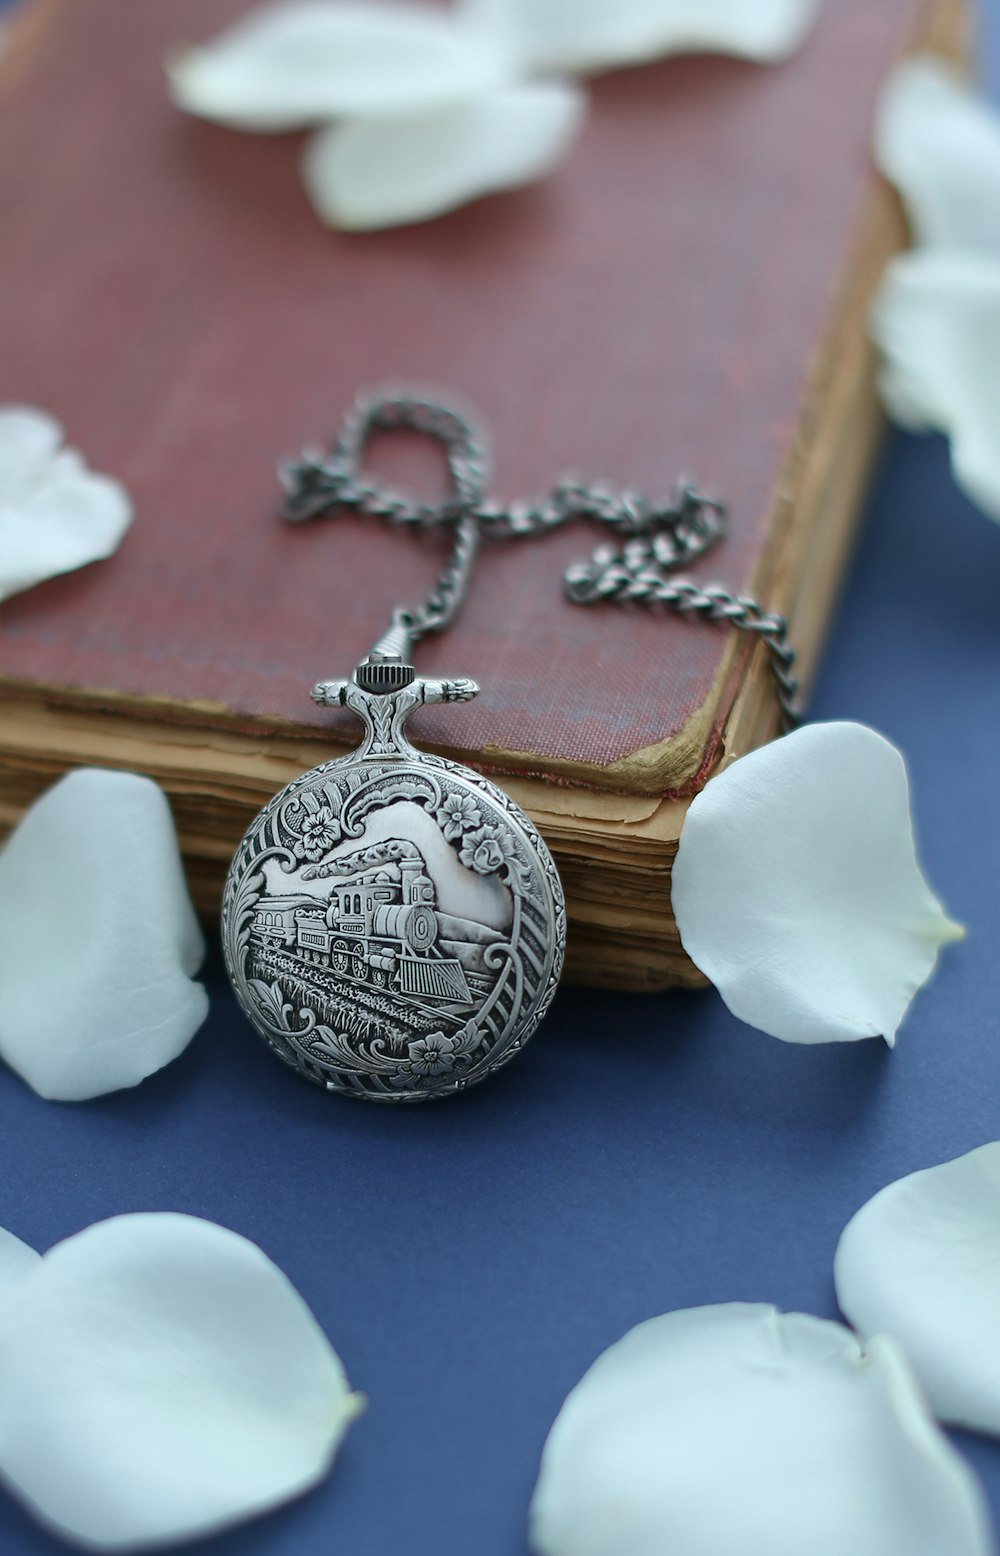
(163, 1379)
(387, 172)
(741, 1429)
(29, 440)
(594, 35)
(290, 66)
(936, 320)
(55, 513)
(16, 1259)
(797, 891)
(938, 141)
(98, 939)
(921, 1261)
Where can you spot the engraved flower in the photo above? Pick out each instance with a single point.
(320, 831)
(459, 814)
(484, 851)
(430, 1055)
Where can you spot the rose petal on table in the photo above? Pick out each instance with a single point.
(736, 1428)
(594, 35)
(387, 172)
(16, 1259)
(921, 1261)
(161, 1380)
(98, 938)
(289, 66)
(938, 141)
(936, 321)
(796, 888)
(55, 513)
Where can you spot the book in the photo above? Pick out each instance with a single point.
(686, 295)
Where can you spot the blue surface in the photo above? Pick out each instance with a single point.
(470, 1260)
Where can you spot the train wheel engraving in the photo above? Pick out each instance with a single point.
(339, 958)
(359, 967)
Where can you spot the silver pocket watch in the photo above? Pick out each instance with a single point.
(393, 924)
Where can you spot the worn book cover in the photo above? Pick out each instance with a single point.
(686, 295)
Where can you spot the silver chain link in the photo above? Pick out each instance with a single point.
(654, 539)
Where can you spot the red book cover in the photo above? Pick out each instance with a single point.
(652, 309)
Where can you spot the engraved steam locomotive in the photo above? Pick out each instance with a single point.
(380, 925)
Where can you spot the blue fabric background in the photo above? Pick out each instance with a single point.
(470, 1260)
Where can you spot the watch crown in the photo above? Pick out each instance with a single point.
(384, 675)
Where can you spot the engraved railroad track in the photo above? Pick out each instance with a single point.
(371, 1001)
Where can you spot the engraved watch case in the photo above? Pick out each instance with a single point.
(393, 924)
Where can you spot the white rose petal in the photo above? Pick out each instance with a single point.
(98, 939)
(938, 141)
(55, 514)
(796, 888)
(739, 1431)
(162, 1379)
(592, 35)
(936, 320)
(289, 66)
(29, 441)
(16, 1259)
(921, 1261)
(386, 172)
